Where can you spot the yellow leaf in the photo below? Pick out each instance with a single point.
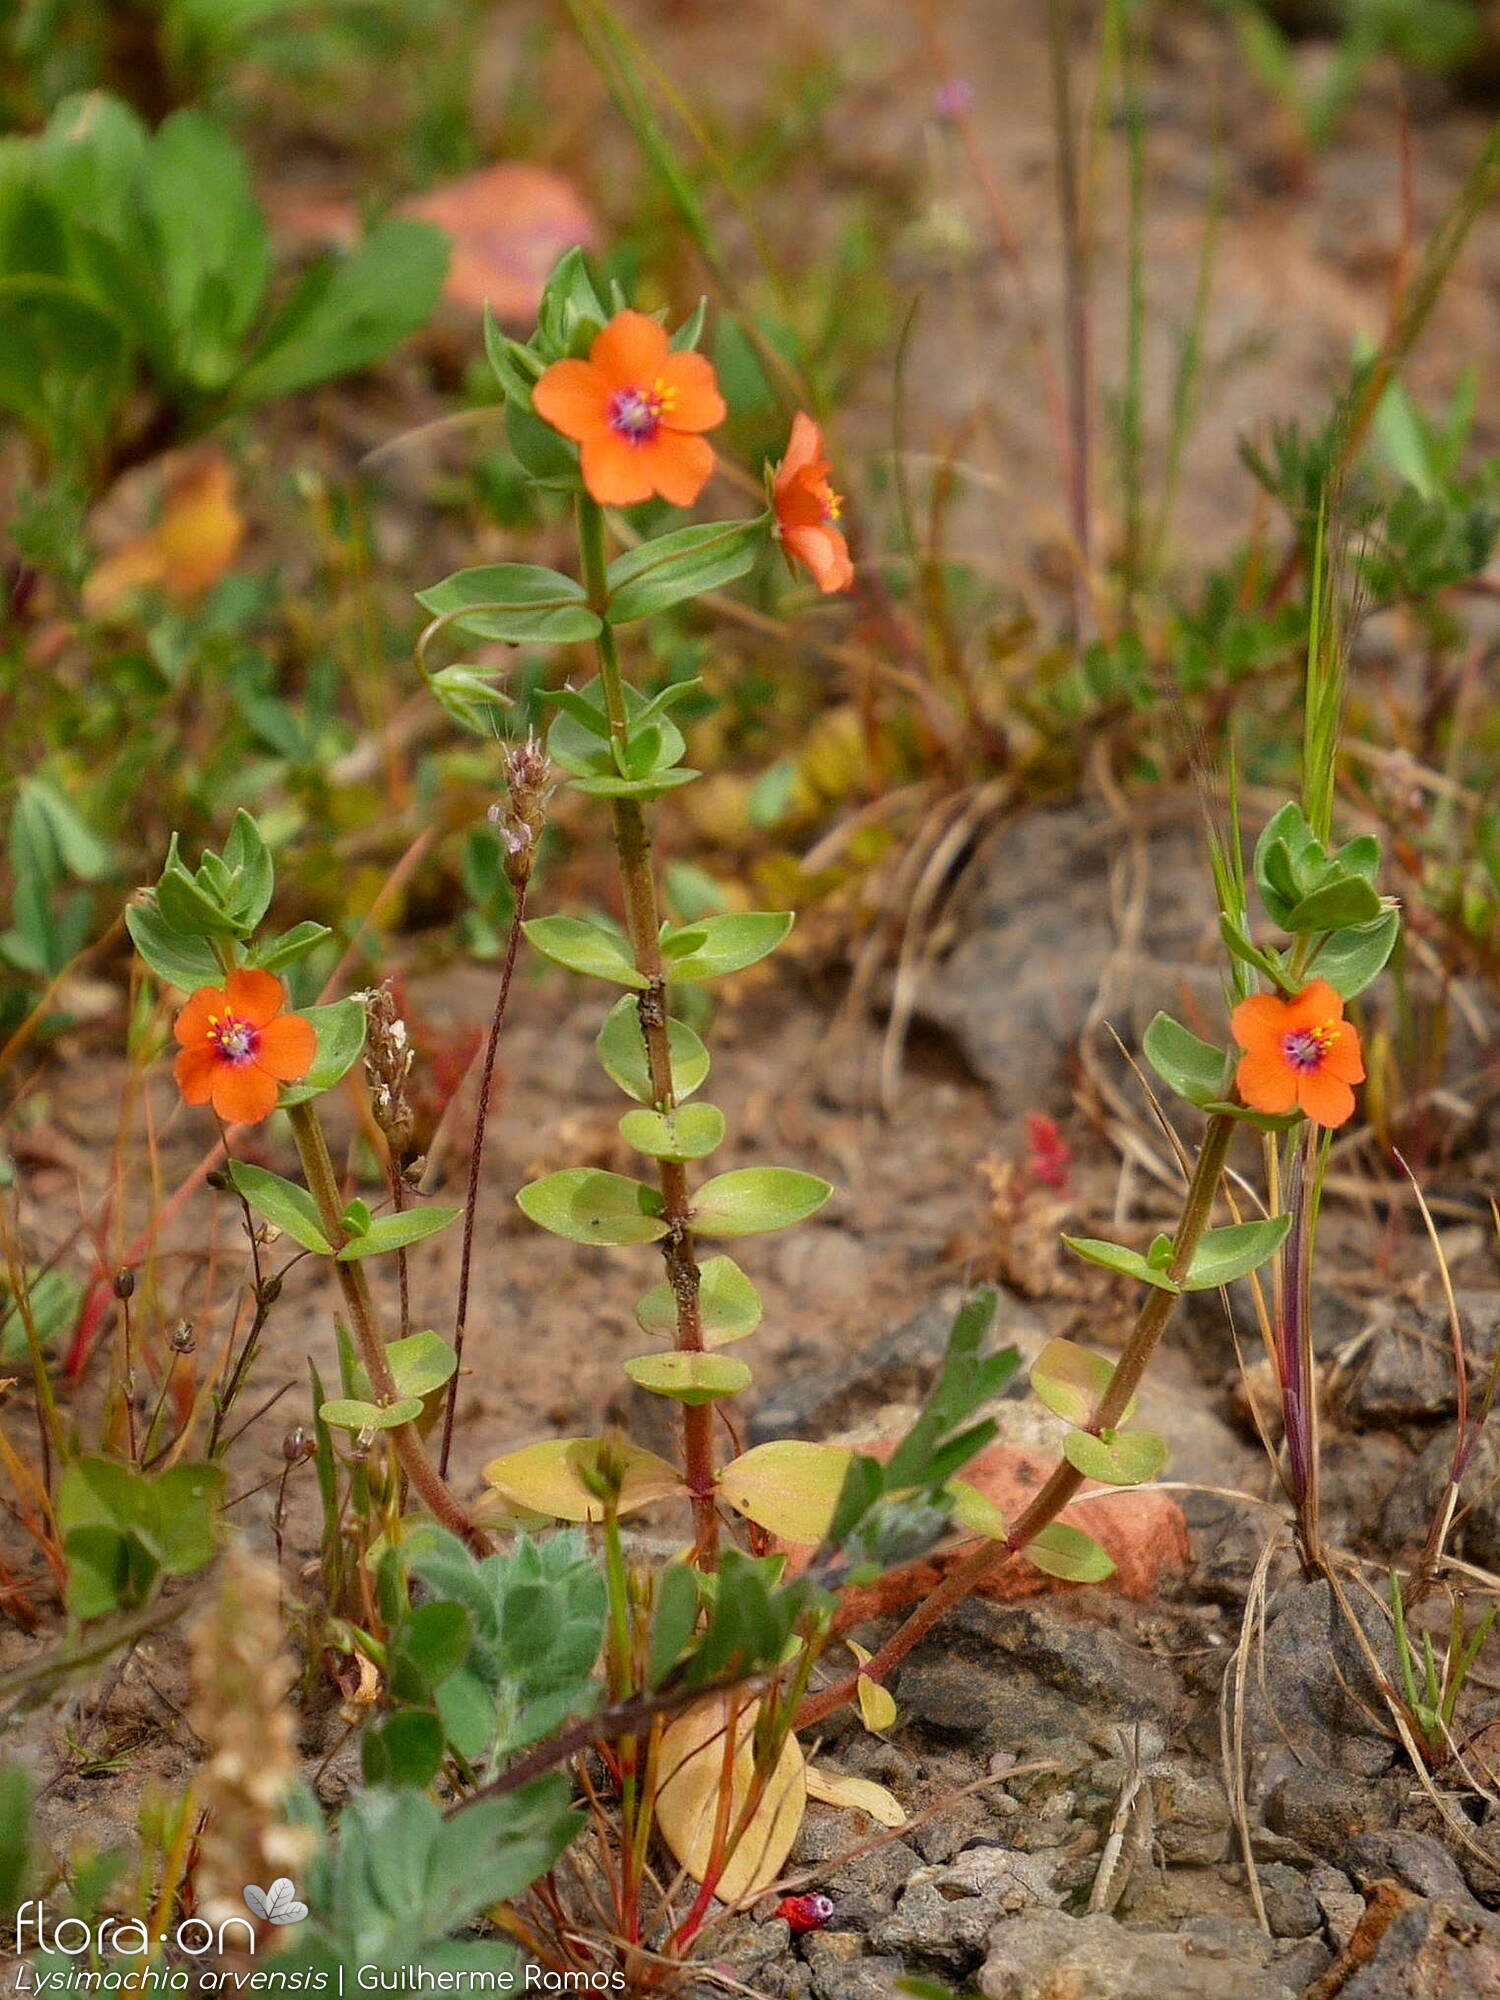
(540, 1478)
(788, 1488)
(877, 1705)
(832, 1788)
(691, 1762)
(192, 545)
(976, 1511)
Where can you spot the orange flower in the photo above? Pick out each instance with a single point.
(239, 1047)
(1300, 1055)
(807, 509)
(634, 410)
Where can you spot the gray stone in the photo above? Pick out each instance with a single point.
(841, 1971)
(1046, 1954)
(946, 1914)
(1309, 1685)
(1038, 947)
(1342, 1911)
(1407, 1373)
(1416, 1860)
(1325, 1810)
(864, 1889)
(1416, 1496)
(1431, 1948)
(1303, 1961)
(1291, 1908)
(1193, 1822)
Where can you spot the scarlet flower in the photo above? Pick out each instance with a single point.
(808, 509)
(239, 1046)
(1300, 1055)
(635, 409)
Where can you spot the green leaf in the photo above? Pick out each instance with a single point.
(584, 947)
(394, 1232)
(1193, 1068)
(406, 1749)
(1127, 1458)
(680, 565)
(433, 1642)
(1223, 1255)
(420, 1363)
(517, 602)
(340, 1029)
(673, 1621)
(788, 1487)
(291, 1208)
(1352, 959)
(210, 247)
(184, 962)
(729, 1306)
(718, 945)
(468, 696)
(607, 786)
(1115, 1257)
(621, 1049)
(752, 1200)
(192, 910)
(349, 312)
(689, 1378)
(348, 1413)
(1071, 1380)
(691, 1132)
(591, 1206)
(1337, 906)
(291, 946)
(1067, 1552)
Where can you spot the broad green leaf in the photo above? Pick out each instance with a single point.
(184, 962)
(542, 1477)
(584, 947)
(607, 786)
(591, 1206)
(1223, 1255)
(280, 952)
(753, 1200)
(420, 1363)
(340, 1029)
(1352, 959)
(1067, 1552)
(1126, 1458)
(210, 245)
(718, 945)
(689, 1378)
(1071, 1380)
(291, 1208)
(394, 1232)
(1337, 906)
(691, 1132)
(682, 564)
(789, 1487)
(347, 1413)
(433, 1642)
(406, 1749)
(1193, 1068)
(1115, 1257)
(516, 602)
(975, 1511)
(728, 1304)
(621, 1049)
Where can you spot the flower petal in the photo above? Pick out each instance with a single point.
(574, 398)
(630, 352)
(244, 1094)
(195, 1070)
(1324, 1098)
(256, 997)
(615, 472)
(1314, 1007)
(1343, 1058)
(1267, 1083)
(680, 466)
(287, 1047)
(804, 447)
(192, 1023)
(697, 404)
(824, 553)
(1260, 1021)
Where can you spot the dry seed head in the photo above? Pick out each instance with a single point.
(528, 784)
(388, 1059)
(240, 1709)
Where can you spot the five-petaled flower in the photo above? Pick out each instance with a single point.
(239, 1046)
(635, 410)
(807, 509)
(1300, 1055)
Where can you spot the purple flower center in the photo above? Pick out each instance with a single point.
(1305, 1048)
(236, 1041)
(635, 415)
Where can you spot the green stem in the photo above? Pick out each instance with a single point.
(643, 924)
(410, 1451)
(1048, 1503)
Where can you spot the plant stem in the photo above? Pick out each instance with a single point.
(643, 924)
(317, 1165)
(476, 1162)
(1065, 1481)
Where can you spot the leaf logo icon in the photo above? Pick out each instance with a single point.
(276, 1905)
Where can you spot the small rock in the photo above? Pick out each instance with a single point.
(1407, 1376)
(1193, 1822)
(840, 1971)
(1416, 1860)
(1303, 1961)
(1407, 1945)
(1046, 1954)
(1342, 1911)
(1325, 1810)
(1416, 1496)
(946, 1914)
(1309, 1684)
(1291, 1908)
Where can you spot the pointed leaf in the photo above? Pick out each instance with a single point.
(1115, 1257)
(516, 602)
(340, 1029)
(1194, 1069)
(1067, 1552)
(1343, 904)
(291, 1208)
(789, 1487)
(1226, 1254)
(394, 1232)
(1071, 1380)
(753, 1200)
(1352, 959)
(591, 1206)
(719, 945)
(691, 1760)
(350, 1414)
(584, 947)
(421, 1363)
(682, 564)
